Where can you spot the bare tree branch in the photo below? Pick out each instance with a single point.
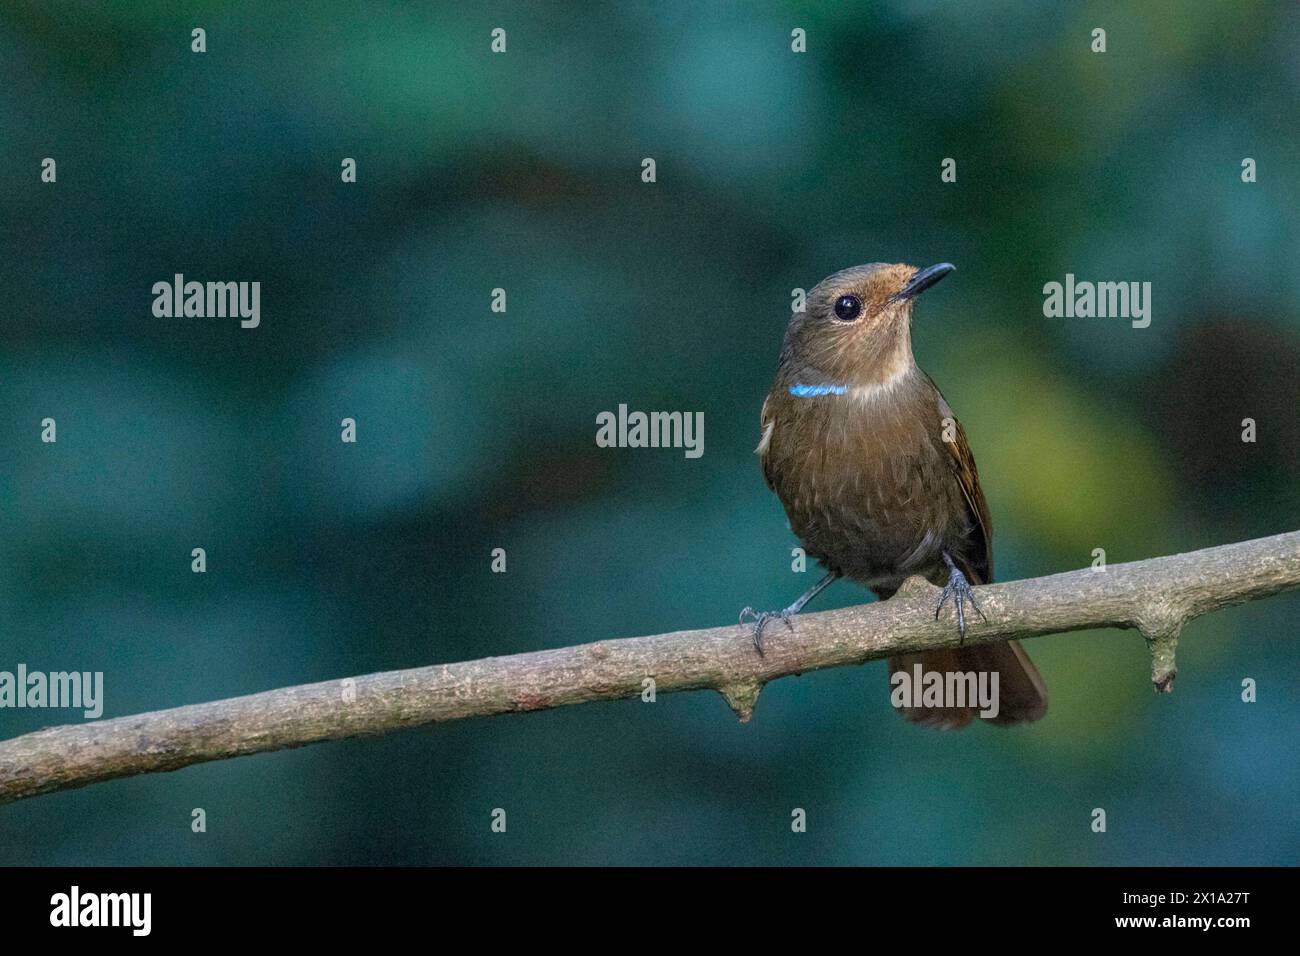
(1155, 596)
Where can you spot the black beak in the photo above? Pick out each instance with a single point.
(922, 280)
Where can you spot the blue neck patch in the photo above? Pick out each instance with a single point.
(809, 391)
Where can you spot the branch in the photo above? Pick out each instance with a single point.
(1155, 596)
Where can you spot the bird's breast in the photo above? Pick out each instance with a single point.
(864, 484)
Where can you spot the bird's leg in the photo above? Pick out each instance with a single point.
(961, 592)
(761, 618)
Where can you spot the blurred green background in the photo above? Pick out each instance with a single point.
(476, 430)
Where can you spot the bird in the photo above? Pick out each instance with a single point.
(877, 477)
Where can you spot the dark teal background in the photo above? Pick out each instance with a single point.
(477, 430)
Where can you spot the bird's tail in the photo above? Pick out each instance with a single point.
(1022, 695)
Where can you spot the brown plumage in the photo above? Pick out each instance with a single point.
(875, 472)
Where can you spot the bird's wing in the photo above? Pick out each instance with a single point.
(980, 556)
(767, 423)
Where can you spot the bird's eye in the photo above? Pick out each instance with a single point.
(848, 308)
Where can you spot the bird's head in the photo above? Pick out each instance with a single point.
(856, 325)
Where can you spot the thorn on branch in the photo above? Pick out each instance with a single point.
(1161, 633)
(741, 698)
(916, 586)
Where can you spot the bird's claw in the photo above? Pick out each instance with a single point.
(760, 619)
(959, 589)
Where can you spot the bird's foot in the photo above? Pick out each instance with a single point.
(761, 619)
(959, 589)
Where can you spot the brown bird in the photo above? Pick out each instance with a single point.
(876, 475)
